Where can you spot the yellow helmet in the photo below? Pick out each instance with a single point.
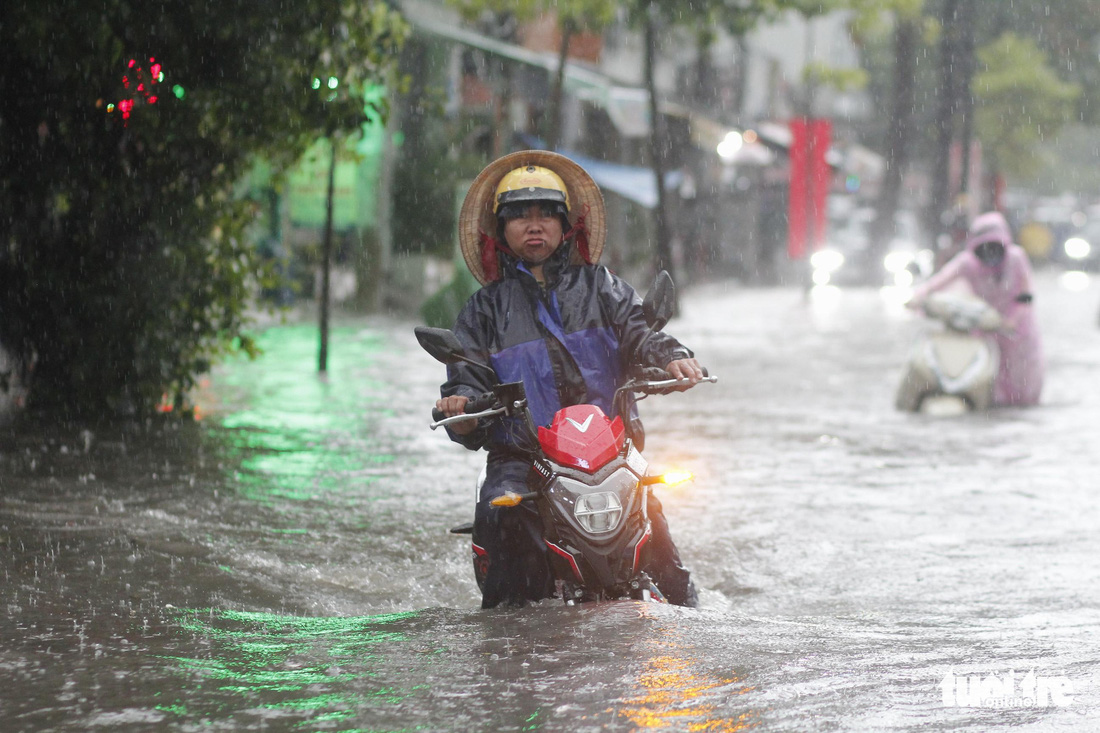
(530, 183)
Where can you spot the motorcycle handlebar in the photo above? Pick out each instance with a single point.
(656, 374)
(653, 374)
(477, 404)
(657, 381)
(648, 380)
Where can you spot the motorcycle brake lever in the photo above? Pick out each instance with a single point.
(467, 416)
(670, 383)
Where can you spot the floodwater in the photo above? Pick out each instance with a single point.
(284, 563)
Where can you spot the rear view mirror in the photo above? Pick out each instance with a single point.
(440, 343)
(444, 346)
(659, 301)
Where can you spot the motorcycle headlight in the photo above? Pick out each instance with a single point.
(599, 508)
(827, 260)
(1077, 248)
(598, 513)
(895, 262)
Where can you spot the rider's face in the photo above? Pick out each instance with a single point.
(534, 235)
(990, 253)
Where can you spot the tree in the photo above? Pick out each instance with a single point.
(655, 17)
(1020, 101)
(498, 19)
(573, 15)
(657, 140)
(1067, 31)
(337, 107)
(953, 105)
(125, 267)
(907, 16)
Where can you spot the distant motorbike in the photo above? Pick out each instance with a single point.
(951, 370)
(588, 482)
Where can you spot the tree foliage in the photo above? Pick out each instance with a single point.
(125, 133)
(1067, 31)
(1020, 102)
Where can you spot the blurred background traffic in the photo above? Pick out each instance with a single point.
(844, 143)
(162, 175)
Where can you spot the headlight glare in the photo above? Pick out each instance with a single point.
(1077, 248)
(828, 260)
(897, 261)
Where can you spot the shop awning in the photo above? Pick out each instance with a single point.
(634, 183)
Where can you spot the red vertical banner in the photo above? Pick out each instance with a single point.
(797, 198)
(820, 178)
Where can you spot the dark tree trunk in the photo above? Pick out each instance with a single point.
(703, 88)
(966, 99)
(656, 138)
(741, 80)
(553, 114)
(906, 36)
(941, 193)
(502, 115)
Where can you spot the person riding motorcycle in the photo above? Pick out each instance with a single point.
(531, 229)
(998, 272)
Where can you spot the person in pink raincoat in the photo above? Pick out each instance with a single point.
(998, 272)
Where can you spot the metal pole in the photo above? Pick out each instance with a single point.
(326, 259)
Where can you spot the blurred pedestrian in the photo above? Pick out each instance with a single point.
(998, 272)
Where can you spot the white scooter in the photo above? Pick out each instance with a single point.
(951, 369)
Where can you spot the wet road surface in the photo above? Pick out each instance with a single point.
(284, 564)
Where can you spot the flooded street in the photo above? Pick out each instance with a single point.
(284, 562)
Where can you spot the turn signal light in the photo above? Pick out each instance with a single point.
(676, 477)
(510, 498)
(670, 478)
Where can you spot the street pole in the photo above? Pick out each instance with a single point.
(326, 258)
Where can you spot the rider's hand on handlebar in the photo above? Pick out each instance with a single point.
(456, 405)
(688, 369)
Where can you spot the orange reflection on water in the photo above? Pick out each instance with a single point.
(677, 698)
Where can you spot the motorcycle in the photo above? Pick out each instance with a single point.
(588, 480)
(951, 370)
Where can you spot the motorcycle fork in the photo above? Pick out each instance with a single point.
(646, 589)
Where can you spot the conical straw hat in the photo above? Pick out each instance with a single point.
(476, 216)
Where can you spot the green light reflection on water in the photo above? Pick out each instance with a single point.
(293, 435)
(319, 667)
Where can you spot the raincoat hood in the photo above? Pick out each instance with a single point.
(1006, 286)
(989, 227)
